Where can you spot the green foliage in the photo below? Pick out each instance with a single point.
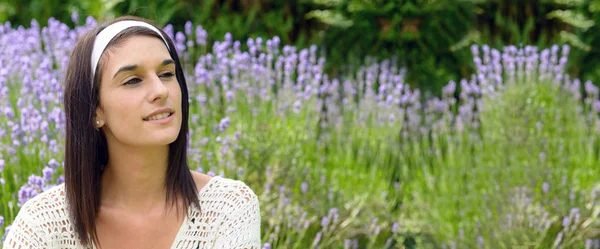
(442, 186)
(581, 19)
(420, 33)
(430, 37)
(575, 19)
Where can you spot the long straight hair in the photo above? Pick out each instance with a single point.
(86, 149)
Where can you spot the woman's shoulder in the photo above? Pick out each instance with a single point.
(227, 191)
(37, 219)
(50, 200)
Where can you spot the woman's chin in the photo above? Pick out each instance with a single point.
(160, 137)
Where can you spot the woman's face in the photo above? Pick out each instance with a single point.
(138, 78)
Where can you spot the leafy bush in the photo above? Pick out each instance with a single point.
(507, 158)
(430, 38)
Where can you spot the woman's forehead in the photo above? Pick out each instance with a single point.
(139, 49)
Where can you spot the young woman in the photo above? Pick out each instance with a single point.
(127, 181)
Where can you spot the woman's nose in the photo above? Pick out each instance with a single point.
(158, 88)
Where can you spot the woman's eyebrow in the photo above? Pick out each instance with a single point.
(167, 62)
(134, 67)
(126, 68)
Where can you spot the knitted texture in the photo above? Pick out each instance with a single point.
(230, 218)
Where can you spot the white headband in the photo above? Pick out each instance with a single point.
(108, 33)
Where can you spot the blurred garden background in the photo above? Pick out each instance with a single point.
(359, 124)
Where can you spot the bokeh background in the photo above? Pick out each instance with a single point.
(359, 124)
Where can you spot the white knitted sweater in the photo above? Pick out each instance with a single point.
(43, 222)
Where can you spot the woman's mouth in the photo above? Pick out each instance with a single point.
(160, 118)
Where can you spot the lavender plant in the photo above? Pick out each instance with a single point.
(504, 159)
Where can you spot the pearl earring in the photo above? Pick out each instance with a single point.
(97, 122)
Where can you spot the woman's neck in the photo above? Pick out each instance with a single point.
(134, 179)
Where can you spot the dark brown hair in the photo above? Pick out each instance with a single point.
(86, 149)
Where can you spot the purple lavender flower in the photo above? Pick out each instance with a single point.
(169, 31)
(558, 239)
(377, 230)
(223, 124)
(449, 89)
(6, 230)
(591, 89)
(545, 187)
(229, 95)
(317, 239)
(47, 172)
(53, 163)
(475, 50)
(596, 106)
(324, 221)
(228, 38)
(9, 113)
(180, 42)
(565, 50)
(26, 193)
(304, 187)
(588, 244)
(188, 28)
(35, 181)
(347, 243)
(566, 221)
(486, 53)
(60, 180)
(201, 35)
(75, 17)
(480, 241)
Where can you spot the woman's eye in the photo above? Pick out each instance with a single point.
(167, 75)
(133, 81)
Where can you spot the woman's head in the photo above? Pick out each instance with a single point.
(137, 86)
(137, 75)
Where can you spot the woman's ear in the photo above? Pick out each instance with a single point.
(100, 118)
